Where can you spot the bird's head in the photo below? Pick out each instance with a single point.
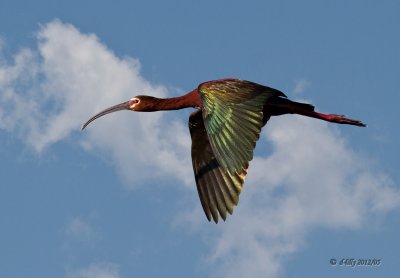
(138, 103)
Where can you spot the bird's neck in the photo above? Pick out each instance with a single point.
(191, 99)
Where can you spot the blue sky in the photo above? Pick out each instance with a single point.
(119, 199)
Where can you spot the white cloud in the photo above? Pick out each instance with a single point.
(311, 178)
(99, 270)
(47, 93)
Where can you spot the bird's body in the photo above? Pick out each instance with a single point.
(224, 130)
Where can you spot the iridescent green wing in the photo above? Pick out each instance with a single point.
(218, 189)
(233, 118)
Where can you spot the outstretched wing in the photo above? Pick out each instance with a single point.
(218, 188)
(233, 118)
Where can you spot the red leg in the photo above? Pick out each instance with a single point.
(334, 118)
(281, 106)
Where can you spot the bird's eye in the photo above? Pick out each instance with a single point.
(133, 101)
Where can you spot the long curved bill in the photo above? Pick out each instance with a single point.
(122, 106)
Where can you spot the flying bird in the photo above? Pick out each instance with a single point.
(224, 129)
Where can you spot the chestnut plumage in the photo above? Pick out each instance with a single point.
(224, 130)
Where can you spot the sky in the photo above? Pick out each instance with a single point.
(119, 199)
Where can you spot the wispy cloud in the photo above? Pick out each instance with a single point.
(80, 229)
(307, 180)
(98, 270)
(300, 85)
(48, 92)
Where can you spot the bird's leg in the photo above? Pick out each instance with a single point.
(335, 118)
(279, 106)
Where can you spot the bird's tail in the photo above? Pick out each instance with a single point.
(285, 106)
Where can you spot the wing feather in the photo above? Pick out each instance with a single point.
(233, 118)
(218, 189)
(224, 134)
